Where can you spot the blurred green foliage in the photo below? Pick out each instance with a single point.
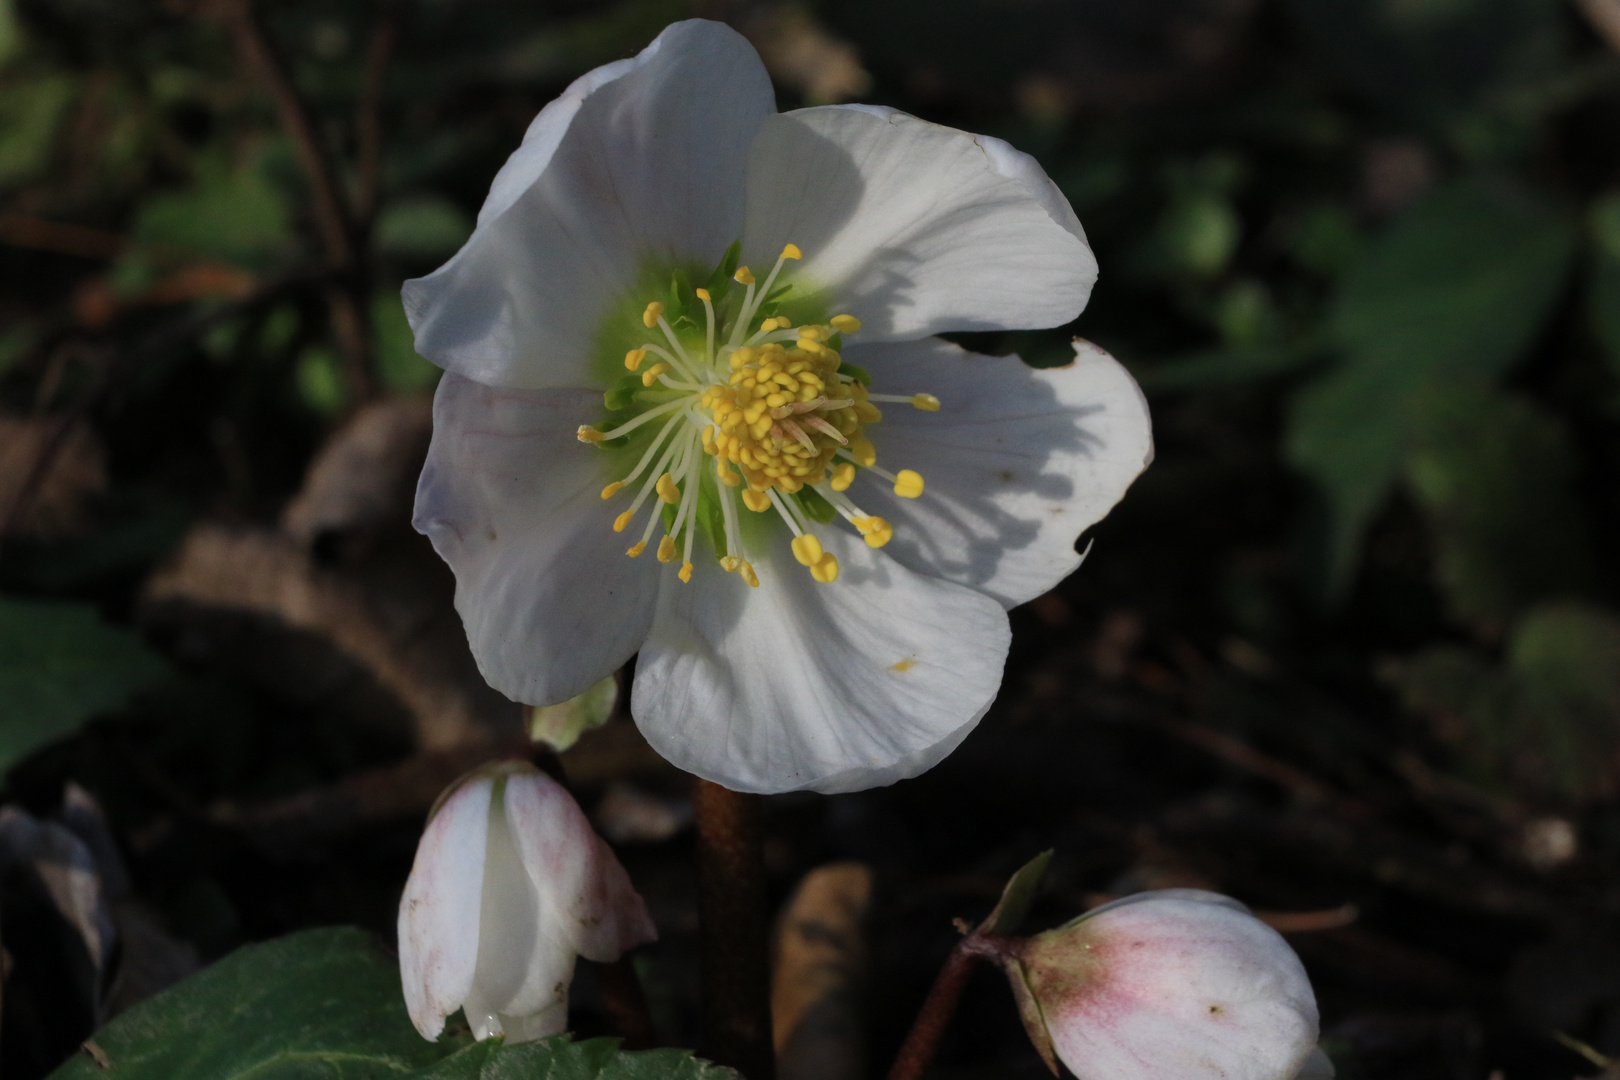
(59, 664)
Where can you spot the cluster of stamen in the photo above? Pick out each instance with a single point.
(776, 412)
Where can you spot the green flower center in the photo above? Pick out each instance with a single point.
(782, 416)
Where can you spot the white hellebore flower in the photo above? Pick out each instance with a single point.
(509, 884)
(619, 378)
(1171, 983)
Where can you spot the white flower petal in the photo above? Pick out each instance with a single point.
(643, 158)
(512, 501)
(588, 901)
(550, 887)
(912, 227)
(1017, 462)
(439, 911)
(833, 687)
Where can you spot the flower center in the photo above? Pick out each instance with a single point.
(775, 406)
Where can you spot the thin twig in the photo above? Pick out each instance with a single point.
(368, 118)
(346, 297)
(734, 931)
(917, 1052)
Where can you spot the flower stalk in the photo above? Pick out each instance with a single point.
(922, 1041)
(734, 931)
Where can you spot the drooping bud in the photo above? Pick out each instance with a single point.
(1175, 982)
(510, 884)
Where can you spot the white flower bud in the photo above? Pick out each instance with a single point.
(1176, 982)
(509, 884)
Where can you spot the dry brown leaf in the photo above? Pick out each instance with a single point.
(393, 618)
(58, 504)
(821, 957)
(365, 476)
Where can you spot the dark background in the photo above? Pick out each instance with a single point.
(1354, 638)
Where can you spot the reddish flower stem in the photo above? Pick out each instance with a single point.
(734, 931)
(917, 1052)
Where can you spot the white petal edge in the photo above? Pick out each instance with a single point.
(589, 899)
(641, 159)
(1017, 462)
(439, 911)
(915, 228)
(827, 687)
(512, 501)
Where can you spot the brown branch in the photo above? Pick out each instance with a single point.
(917, 1052)
(347, 296)
(734, 931)
(368, 118)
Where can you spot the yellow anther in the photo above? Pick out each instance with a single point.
(742, 358)
(637, 548)
(816, 333)
(792, 251)
(743, 276)
(671, 494)
(862, 450)
(649, 318)
(666, 549)
(703, 294)
(757, 501)
(826, 569)
(877, 532)
(588, 434)
(634, 357)
(650, 376)
(613, 489)
(686, 572)
(622, 522)
(769, 325)
(810, 344)
(843, 475)
(845, 324)
(748, 575)
(727, 477)
(925, 402)
(908, 484)
(730, 563)
(807, 549)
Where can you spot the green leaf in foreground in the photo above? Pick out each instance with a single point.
(59, 665)
(326, 1005)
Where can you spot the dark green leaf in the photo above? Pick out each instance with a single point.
(1454, 291)
(1017, 897)
(1494, 477)
(402, 371)
(235, 214)
(1459, 285)
(326, 1005)
(59, 665)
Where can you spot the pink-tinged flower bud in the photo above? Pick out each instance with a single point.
(1174, 983)
(509, 884)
